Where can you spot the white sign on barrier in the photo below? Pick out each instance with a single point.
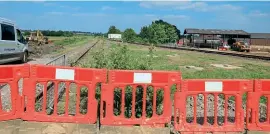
(142, 78)
(213, 86)
(64, 74)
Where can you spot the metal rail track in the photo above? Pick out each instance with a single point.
(236, 54)
(229, 53)
(62, 87)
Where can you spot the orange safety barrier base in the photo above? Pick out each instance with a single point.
(199, 90)
(132, 97)
(142, 84)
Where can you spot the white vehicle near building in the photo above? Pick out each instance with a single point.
(115, 36)
(13, 46)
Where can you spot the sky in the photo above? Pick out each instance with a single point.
(90, 16)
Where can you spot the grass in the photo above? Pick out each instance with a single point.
(69, 43)
(56, 38)
(176, 60)
(74, 40)
(110, 55)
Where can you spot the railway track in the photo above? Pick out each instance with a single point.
(229, 53)
(51, 85)
(62, 87)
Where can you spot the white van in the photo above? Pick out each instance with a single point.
(13, 46)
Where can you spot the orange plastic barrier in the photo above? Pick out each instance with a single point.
(10, 97)
(134, 97)
(258, 106)
(206, 105)
(41, 78)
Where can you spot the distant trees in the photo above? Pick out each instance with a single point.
(26, 33)
(57, 33)
(129, 35)
(158, 32)
(114, 30)
(62, 33)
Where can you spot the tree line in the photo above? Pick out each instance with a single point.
(62, 33)
(50, 32)
(158, 32)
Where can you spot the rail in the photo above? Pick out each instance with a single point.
(232, 53)
(62, 59)
(236, 54)
(83, 54)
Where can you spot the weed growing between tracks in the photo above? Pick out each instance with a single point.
(118, 56)
(134, 57)
(71, 42)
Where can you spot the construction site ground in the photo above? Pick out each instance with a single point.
(45, 53)
(25, 127)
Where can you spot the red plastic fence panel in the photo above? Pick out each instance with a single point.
(137, 98)
(62, 94)
(258, 106)
(210, 105)
(10, 97)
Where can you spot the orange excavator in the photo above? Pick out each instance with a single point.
(38, 38)
(241, 46)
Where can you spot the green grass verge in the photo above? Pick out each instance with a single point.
(134, 57)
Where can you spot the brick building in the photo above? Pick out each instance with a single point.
(260, 39)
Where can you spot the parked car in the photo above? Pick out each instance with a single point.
(13, 46)
(226, 46)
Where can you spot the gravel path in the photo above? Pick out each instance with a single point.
(210, 110)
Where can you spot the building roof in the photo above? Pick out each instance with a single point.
(215, 31)
(260, 35)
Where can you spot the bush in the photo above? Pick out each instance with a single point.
(119, 57)
(70, 40)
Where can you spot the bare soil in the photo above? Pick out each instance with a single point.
(37, 51)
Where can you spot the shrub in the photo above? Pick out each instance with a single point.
(119, 57)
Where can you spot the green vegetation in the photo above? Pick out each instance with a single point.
(134, 57)
(65, 44)
(57, 33)
(71, 40)
(113, 30)
(51, 33)
(129, 35)
(137, 57)
(117, 56)
(158, 32)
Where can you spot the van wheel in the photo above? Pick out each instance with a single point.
(24, 57)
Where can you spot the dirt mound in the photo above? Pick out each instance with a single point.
(37, 51)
